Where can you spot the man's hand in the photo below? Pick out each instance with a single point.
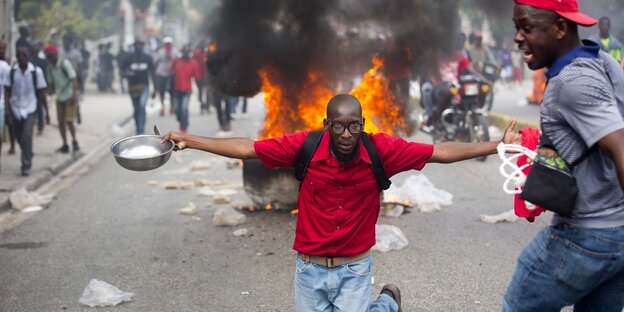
(510, 137)
(178, 138)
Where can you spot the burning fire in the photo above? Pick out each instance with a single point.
(288, 113)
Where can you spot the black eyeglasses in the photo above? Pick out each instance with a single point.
(339, 128)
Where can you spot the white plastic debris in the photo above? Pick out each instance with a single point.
(419, 191)
(508, 216)
(22, 199)
(189, 210)
(32, 209)
(209, 191)
(152, 183)
(226, 216)
(102, 294)
(389, 237)
(241, 232)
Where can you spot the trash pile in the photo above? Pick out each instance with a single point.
(417, 192)
(25, 201)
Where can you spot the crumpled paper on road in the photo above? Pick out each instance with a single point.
(102, 294)
(420, 192)
(22, 199)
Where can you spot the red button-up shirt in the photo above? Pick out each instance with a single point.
(339, 205)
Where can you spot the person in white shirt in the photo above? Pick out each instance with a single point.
(4, 70)
(23, 87)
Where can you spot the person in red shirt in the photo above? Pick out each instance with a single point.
(199, 55)
(339, 200)
(184, 69)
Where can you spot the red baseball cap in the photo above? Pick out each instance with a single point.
(51, 49)
(568, 9)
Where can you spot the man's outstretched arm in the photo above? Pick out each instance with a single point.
(240, 148)
(449, 152)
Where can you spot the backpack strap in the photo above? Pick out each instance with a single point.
(306, 152)
(34, 77)
(377, 164)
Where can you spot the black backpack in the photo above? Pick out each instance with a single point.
(307, 150)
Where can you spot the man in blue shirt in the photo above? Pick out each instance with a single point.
(577, 260)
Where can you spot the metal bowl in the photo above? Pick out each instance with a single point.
(142, 152)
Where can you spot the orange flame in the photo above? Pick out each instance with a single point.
(379, 107)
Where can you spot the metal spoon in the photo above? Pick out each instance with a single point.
(158, 133)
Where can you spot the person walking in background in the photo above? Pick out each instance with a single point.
(5, 69)
(24, 86)
(184, 69)
(43, 113)
(579, 259)
(62, 80)
(163, 61)
(106, 69)
(24, 41)
(606, 41)
(199, 55)
(138, 68)
(71, 53)
(121, 57)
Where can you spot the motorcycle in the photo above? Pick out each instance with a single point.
(463, 118)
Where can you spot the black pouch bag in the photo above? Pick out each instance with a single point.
(550, 183)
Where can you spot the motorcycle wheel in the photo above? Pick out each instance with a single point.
(489, 100)
(479, 132)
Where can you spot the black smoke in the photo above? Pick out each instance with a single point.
(336, 37)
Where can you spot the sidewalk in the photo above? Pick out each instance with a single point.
(510, 103)
(99, 113)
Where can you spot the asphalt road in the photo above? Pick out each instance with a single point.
(111, 225)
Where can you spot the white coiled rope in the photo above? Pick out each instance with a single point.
(514, 177)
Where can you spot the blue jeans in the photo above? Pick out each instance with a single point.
(139, 102)
(566, 265)
(182, 113)
(343, 288)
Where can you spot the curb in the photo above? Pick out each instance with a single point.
(502, 122)
(52, 174)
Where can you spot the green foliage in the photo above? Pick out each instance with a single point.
(84, 18)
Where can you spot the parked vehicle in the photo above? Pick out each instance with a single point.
(463, 118)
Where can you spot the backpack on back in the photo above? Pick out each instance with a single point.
(307, 150)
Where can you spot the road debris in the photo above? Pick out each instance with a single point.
(241, 232)
(189, 210)
(220, 200)
(198, 165)
(418, 191)
(226, 216)
(233, 164)
(389, 237)
(152, 183)
(507, 216)
(102, 294)
(22, 199)
(178, 185)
